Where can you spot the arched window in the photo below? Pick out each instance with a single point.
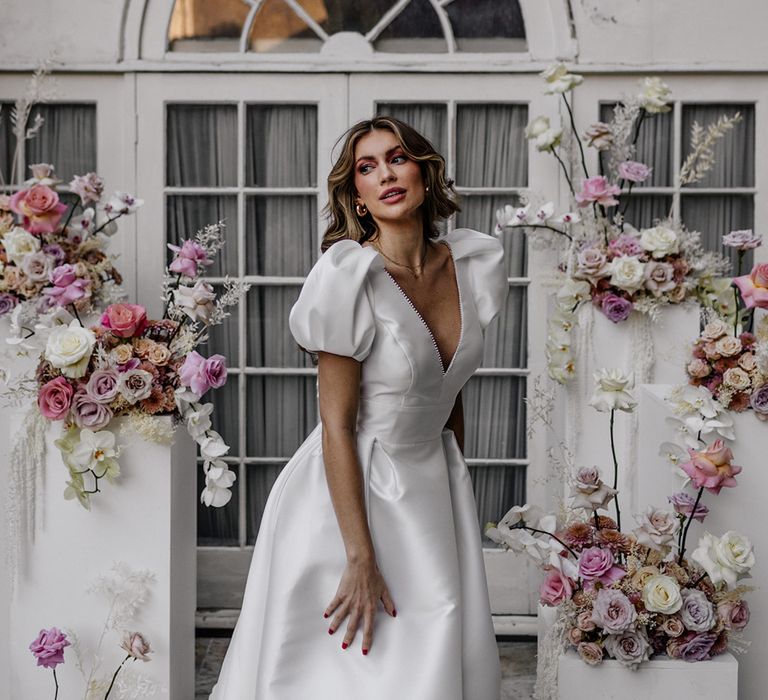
(312, 26)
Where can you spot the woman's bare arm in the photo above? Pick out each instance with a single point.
(362, 585)
(456, 421)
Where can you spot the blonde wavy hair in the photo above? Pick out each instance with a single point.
(440, 202)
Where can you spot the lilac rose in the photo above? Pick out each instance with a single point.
(103, 385)
(630, 648)
(616, 308)
(696, 646)
(89, 413)
(759, 402)
(626, 244)
(613, 611)
(7, 303)
(596, 564)
(697, 612)
(63, 275)
(683, 503)
(56, 252)
(215, 369)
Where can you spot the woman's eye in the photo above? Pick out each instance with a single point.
(401, 157)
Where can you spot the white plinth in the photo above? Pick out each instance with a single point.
(741, 508)
(148, 521)
(662, 677)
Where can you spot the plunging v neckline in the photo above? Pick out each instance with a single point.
(444, 369)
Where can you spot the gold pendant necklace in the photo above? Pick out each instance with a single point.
(413, 270)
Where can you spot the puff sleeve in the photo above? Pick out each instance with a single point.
(487, 270)
(333, 312)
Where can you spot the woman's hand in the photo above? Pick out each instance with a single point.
(358, 595)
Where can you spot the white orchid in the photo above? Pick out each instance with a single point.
(198, 419)
(571, 293)
(612, 388)
(122, 203)
(96, 451)
(212, 445)
(528, 514)
(218, 480)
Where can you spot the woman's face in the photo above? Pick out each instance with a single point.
(381, 166)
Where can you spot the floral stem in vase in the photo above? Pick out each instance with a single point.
(109, 690)
(688, 524)
(615, 472)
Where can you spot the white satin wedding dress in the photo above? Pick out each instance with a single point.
(419, 504)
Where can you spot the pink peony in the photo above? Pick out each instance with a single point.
(633, 171)
(754, 287)
(125, 320)
(48, 647)
(55, 398)
(711, 468)
(555, 588)
(187, 258)
(597, 189)
(40, 207)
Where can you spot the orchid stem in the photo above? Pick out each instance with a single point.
(554, 537)
(615, 473)
(687, 525)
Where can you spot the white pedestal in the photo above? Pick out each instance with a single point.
(660, 677)
(741, 508)
(148, 521)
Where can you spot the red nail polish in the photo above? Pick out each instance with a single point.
(330, 630)
(394, 612)
(365, 651)
(344, 645)
(325, 614)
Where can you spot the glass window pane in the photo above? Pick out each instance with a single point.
(67, 139)
(479, 212)
(226, 411)
(187, 214)
(217, 526)
(216, 24)
(717, 215)
(506, 342)
(430, 120)
(281, 234)
(487, 25)
(223, 337)
(281, 145)
(415, 30)
(261, 479)
(277, 28)
(7, 143)
(202, 145)
(497, 489)
(644, 210)
(348, 15)
(494, 415)
(269, 339)
(491, 150)
(734, 153)
(654, 146)
(282, 411)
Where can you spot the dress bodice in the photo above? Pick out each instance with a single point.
(350, 305)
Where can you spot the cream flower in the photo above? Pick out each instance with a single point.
(135, 385)
(543, 135)
(18, 243)
(571, 293)
(612, 391)
(197, 301)
(69, 349)
(627, 273)
(198, 419)
(662, 594)
(96, 451)
(737, 378)
(559, 80)
(715, 329)
(654, 95)
(657, 529)
(660, 241)
(726, 559)
(728, 346)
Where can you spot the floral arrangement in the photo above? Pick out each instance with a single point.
(132, 366)
(632, 595)
(618, 268)
(126, 590)
(50, 258)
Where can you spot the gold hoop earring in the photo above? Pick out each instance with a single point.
(361, 209)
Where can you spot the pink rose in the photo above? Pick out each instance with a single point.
(63, 296)
(698, 369)
(200, 374)
(215, 369)
(187, 258)
(136, 645)
(555, 588)
(40, 207)
(63, 275)
(711, 468)
(596, 564)
(597, 189)
(55, 398)
(633, 171)
(89, 413)
(125, 320)
(48, 648)
(734, 615)
(754, 287)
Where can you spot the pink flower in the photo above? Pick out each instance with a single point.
(754, 287)
(48, 648)
(40, 207)
(711, 468)
(63, 296)
(63, 275)
(633, 171)
(215, 369)
(136, 645)
(88, 187)
(200, 374)
(55, 398)
(597, 189)
(89, 413)
(125, 320)
(187, 258)
(555, 588)
(596, 564)
(745, 239)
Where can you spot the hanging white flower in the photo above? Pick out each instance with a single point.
(198, 419)
(612, 391)
(212, 445)
(654, 94)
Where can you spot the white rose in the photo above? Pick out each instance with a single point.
(662, 594)
(627, 273)
(559, 80)
(198, 419)
(737, 378)
(537, 127)
(37, 266)
(717, 328)
(612, 391)
(728, 346)
(660, 241)
(197, 301)
(544, 136)
(658, 529)
(69, 349)
(653, 95)
(726, 559)
(18, 243)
